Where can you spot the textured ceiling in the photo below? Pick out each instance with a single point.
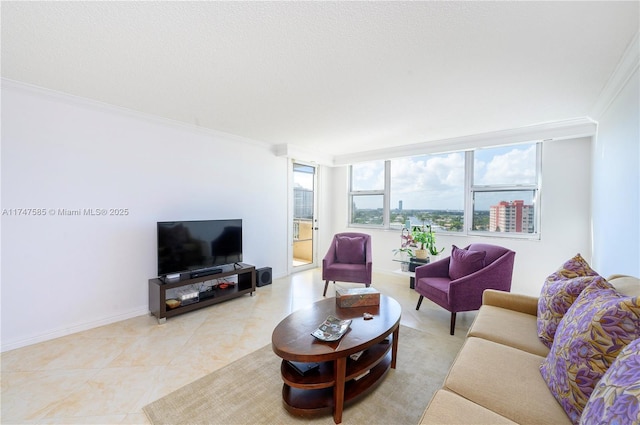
(330, 77)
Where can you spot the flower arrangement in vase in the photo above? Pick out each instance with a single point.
(406, 243)
(421, 237)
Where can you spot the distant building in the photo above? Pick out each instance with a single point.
(400, 205)
(512, 216)
(302, 203)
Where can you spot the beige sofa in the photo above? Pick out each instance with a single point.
(495, 379)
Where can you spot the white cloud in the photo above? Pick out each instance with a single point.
(429, 182)
(516, 166)
(369, 176)
(437, 181)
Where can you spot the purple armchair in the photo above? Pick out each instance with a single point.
(348, 260)
(456, 283)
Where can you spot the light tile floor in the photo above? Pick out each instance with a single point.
(107, 374)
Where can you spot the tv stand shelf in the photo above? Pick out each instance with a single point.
(158, 290)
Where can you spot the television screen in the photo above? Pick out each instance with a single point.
(195, 245)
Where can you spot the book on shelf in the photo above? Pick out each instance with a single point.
(356, 356)
(362, 375)
(304, 368)
(332, 329)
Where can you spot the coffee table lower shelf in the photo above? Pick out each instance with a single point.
(339, 379)
(309, 402)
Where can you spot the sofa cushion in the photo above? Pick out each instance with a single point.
(350, 249)
(559, 291)
(626, 285)
(616, 398)
(504, 380)
(522, 303)
(593, 332)
(520, 333)
(463, 262)
(447, 408)
(556, 297)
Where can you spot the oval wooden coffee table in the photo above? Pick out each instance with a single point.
(339, 379)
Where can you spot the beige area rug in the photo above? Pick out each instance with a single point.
(249, 390)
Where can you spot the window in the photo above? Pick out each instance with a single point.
(367, 194)
(428, 189)
(493, 190)
(504, 190)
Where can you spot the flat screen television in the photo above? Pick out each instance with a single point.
(187, 246)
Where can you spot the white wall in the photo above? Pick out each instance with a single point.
(65, 274)
(616, 184)
(565, 218)
(326, 205)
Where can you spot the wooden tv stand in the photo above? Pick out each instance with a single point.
(158, 289)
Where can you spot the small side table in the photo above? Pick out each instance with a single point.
(412, 277)
(410, 269)
(401, 271)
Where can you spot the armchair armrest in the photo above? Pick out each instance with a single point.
(468, 290)
(368, 260)
(516, 302)
(330, 256)
(438, 268)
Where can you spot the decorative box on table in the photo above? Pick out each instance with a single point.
(357, 297)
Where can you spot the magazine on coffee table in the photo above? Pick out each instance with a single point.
(332, 329)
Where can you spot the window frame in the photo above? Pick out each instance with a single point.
(470, 189)
(473, 188)
(385, 199)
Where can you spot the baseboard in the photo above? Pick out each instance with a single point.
(12, 345)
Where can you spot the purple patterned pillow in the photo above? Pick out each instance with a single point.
(616, 398)
(556, 298)
(559, 291)
(599, 324)
(463, 262)
(574, 267)
(350, 250)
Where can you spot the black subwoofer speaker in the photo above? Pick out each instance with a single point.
(263, 276)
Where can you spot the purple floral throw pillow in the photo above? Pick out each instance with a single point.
(616, 398)
(559, 291)
(599, 324)
(574, 267)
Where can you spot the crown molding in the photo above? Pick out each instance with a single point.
(294, 152)
(626, 68)
(107, 107)
(556, 130)
(571, 128)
